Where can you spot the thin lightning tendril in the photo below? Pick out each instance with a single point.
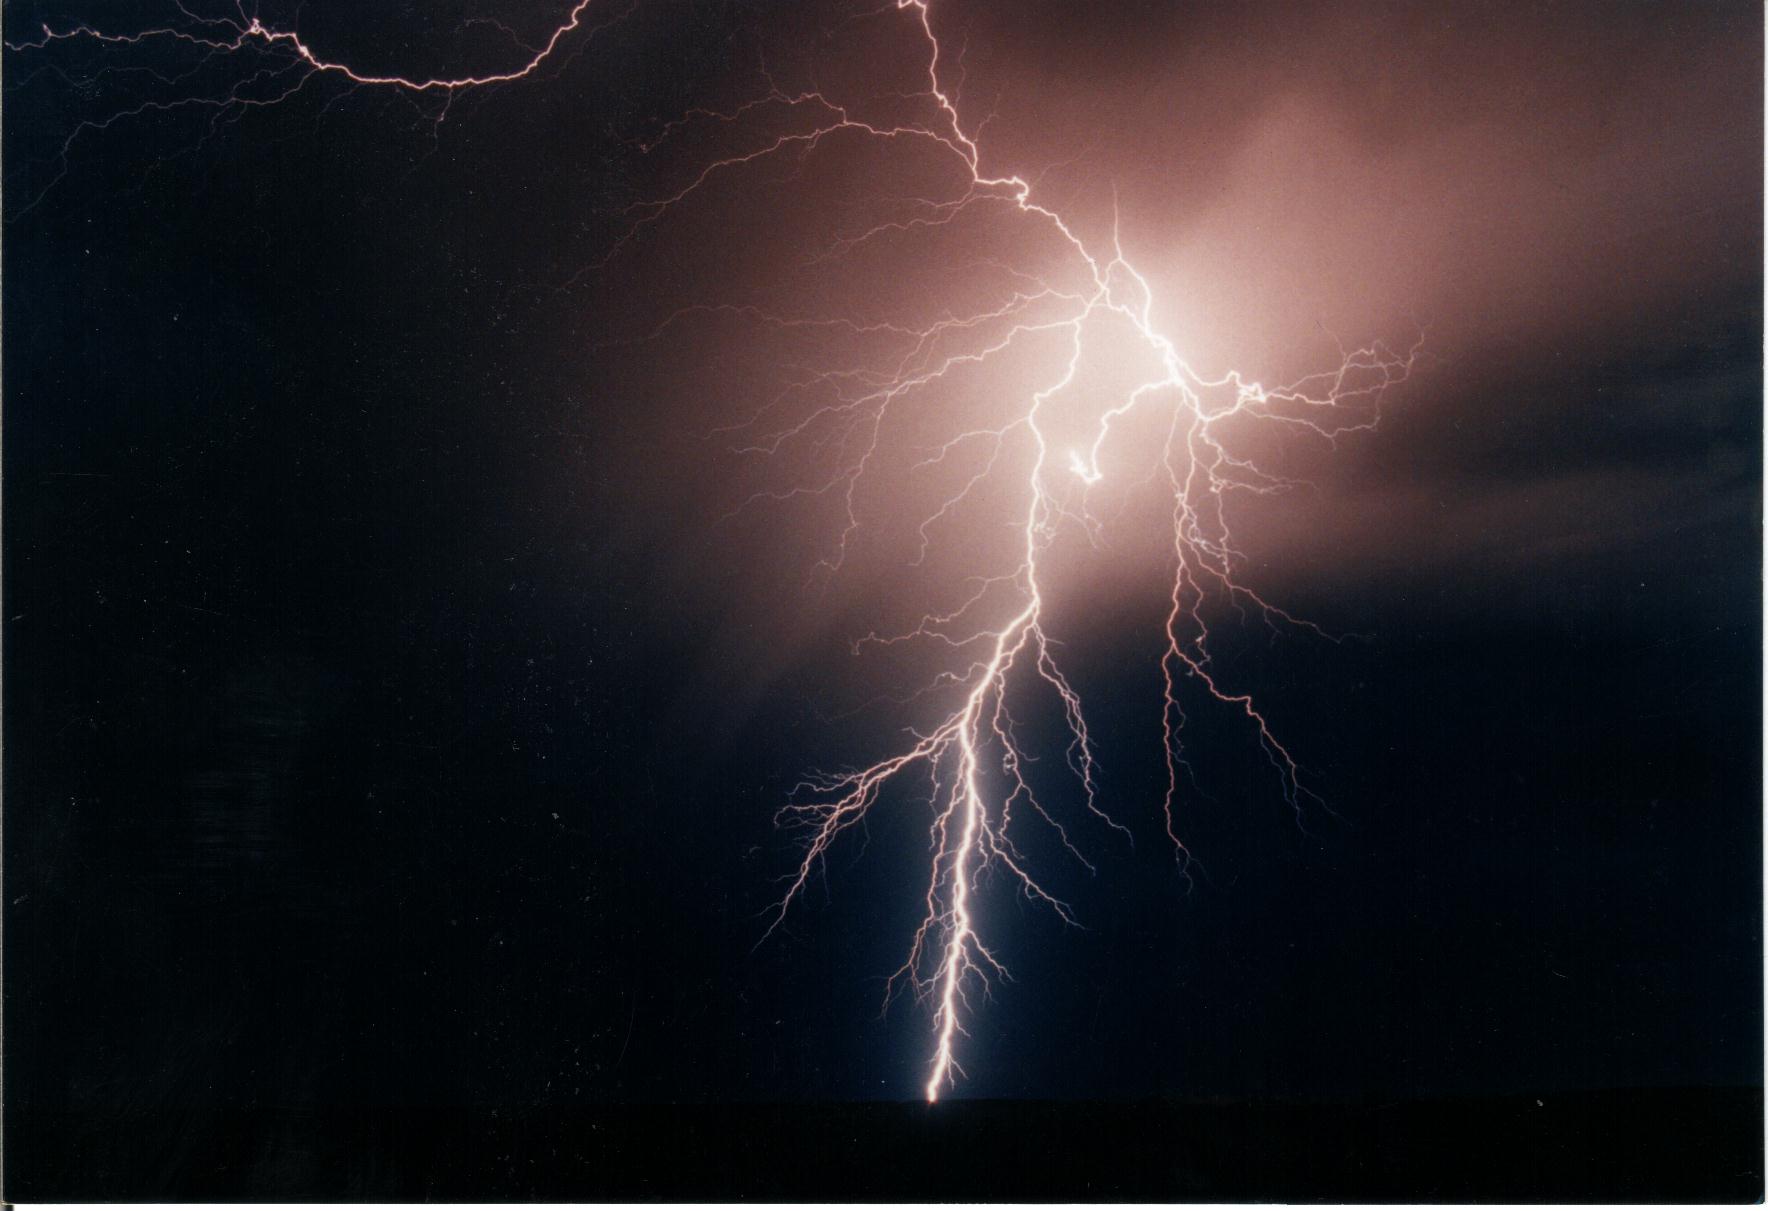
(972, 759)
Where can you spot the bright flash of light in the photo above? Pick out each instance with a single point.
(997, 626)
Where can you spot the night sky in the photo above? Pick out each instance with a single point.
(398, 689)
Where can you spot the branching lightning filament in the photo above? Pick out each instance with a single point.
(1069, 294)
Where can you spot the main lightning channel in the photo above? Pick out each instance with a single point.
(970, 825)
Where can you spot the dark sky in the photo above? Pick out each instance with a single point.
(393, 717)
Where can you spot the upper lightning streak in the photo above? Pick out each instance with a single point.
(226, 36)
(972, 758)
(248, 31)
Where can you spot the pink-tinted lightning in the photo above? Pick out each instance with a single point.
(973, 810)
(248, 30)
(995, 630)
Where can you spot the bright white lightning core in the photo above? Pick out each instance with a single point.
(996, 625)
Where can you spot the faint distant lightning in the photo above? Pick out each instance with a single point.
(291, 64)
(249, 30)
(972, 758)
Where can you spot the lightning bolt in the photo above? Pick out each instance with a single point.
(972, 759)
